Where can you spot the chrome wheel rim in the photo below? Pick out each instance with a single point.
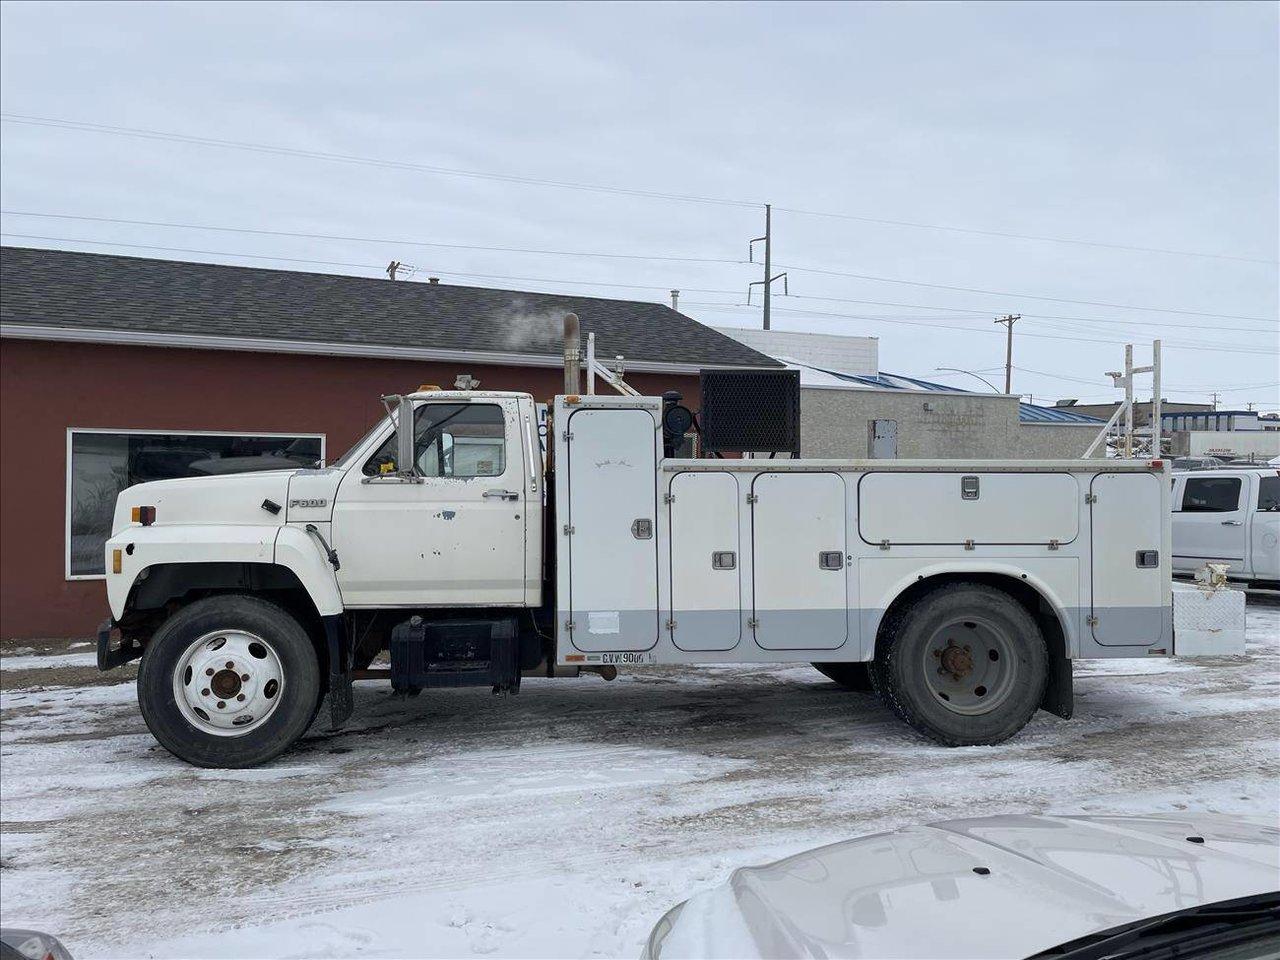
(969, 666)
(228, 683)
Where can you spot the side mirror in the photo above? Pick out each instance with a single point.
(406, 465)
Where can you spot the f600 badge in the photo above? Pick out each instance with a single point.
(308, 503)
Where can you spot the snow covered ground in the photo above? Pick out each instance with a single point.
(564, 821)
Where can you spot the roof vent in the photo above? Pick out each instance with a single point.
(433, 279)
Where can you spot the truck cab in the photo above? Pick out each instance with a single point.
(1228, 515)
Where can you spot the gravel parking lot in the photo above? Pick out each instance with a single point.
(561, 822)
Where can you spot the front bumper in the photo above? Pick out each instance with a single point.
(111, 657)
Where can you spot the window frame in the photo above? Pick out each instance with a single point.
(177, 432)
(1240, 490)
(367, 458)
(1257, 507)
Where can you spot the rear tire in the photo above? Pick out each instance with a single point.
(851, 676)
(229, 681)
(964, 665)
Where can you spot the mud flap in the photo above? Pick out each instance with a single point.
(108, 658)
(341, 700)
(1059, 689)
(504, 657)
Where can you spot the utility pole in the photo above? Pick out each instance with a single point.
(1009, 320)
(767, 282)
(1215, 399)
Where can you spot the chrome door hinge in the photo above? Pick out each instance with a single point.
(753, 623)
(671, 624)
(1092, 621)
(668, 498)
(1053, 544)
(968, 544)
(569, 625)
(752, 498)
(884, 544)
(566, 436)
(1090, 498)
(568, 530)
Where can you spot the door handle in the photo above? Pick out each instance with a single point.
(1231, 523)
(501, 495)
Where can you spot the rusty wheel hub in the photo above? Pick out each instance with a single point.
(955, 660)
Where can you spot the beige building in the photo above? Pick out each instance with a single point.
(862, 412)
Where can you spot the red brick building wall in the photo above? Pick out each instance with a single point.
(46, 387)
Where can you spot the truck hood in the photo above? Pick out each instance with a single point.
(242, 498)
(920, 892)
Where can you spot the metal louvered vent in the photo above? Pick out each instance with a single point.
(754, 411)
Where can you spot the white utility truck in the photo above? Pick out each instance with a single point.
(962, 591)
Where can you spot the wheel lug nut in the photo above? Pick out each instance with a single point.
(244, 677)
(230, 664)
(240, 697)
(221, 704)
(209, 672)
(204, 692)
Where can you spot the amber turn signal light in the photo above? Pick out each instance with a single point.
(116, 560)
(145, 516)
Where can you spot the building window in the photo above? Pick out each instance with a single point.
(458, 440)
(101, 463)
(1211, 495)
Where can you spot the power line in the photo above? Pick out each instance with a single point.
(1039, 336)
(608, 256)
(1021, 296)
(382, 240)
(145, 134)
(1160, 324)
(279, 150)
(1024, 236)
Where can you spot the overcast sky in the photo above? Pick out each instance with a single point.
(1149, 125)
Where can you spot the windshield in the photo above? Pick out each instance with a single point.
(1243, 929)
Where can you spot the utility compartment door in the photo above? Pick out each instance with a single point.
(1128, 597)
(951, 508)
(613, 546)
(799, 582)
(706, 561)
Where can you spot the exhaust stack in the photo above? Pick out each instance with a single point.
(572, 354)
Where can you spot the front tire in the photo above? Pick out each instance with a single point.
(964, 665)
(229, 681)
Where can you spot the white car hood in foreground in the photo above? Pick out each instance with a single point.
(919, 892)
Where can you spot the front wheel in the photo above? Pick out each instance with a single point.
(229, 681)
(964, 665)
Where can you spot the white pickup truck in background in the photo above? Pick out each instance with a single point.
(1228, 515)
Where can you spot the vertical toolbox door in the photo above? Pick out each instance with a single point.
(613, 547)
(706, 562)
(799, 571)
(1128, 597)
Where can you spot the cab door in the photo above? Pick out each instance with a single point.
(1210, 522)
(452, 536)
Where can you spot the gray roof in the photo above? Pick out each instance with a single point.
(90, 291)
(1027, 412)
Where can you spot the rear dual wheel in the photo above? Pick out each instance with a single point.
(964, 665)
(229, 681)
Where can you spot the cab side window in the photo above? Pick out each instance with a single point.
(1269, 495)
(1211, 495)
(458, 440)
